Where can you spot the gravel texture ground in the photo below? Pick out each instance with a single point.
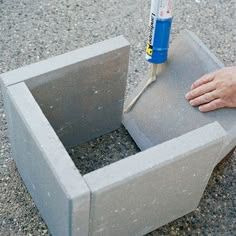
(34, 30)
(103, 150)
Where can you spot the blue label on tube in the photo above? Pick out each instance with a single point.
(158, 52)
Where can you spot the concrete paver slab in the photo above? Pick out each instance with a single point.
(162, 112)
(49, 174)
(145, 191)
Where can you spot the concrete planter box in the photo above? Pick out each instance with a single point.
(81, 94)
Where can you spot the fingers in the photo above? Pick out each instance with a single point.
(205, 88)
(205, 98)
(215, 90)
(213, 105)
(203, 80)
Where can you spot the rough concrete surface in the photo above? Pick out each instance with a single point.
(34, 30)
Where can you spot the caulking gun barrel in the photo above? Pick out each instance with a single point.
(159, 31)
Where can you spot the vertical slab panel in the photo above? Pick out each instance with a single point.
(145, 191)
(162, 112)
(49, 174)
(84, 99)
(80, 92)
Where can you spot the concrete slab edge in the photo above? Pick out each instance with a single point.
(57, 62)
(204, 47)
(229, 144)
(31, 113)
(169, 151)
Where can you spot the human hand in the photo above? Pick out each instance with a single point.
(214, 90)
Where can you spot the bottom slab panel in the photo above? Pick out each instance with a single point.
(162, 112)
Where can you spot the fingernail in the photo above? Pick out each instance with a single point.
(191, 103)
(187, 95)
(200, 109)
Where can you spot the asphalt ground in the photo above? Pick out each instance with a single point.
(34, 30)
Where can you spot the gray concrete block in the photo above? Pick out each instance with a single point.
(162, 113)
(80, 91)
(145, 191)
(49, 174)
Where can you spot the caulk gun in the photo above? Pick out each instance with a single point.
(158, 40)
